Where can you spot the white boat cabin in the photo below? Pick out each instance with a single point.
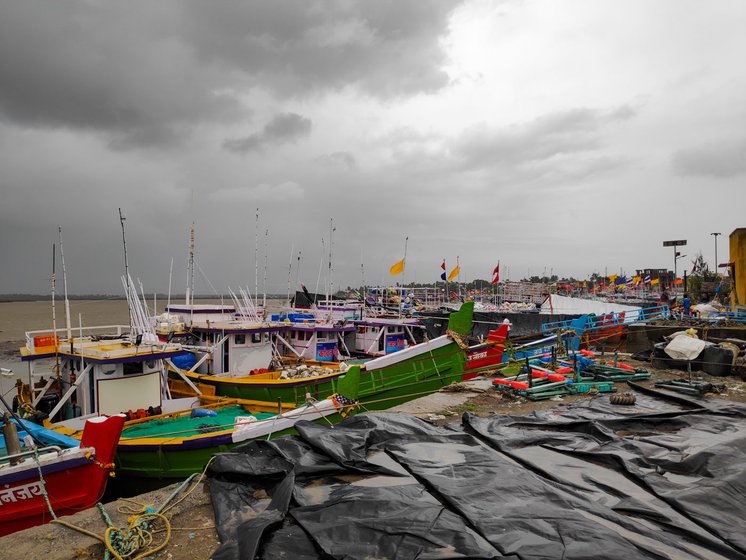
(98, 374)
(381, 336)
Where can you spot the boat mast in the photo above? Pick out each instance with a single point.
(290, 268)
(266, 244)
(256, 252)
(54, 326)
(170, 276)
(126, 265)
(332, 229)
(297, 271)
(190, 268)
(64, 283)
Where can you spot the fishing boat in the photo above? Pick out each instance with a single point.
(384, 381)
(42, 471)
(126, 372)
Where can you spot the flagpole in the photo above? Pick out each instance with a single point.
(458, 278)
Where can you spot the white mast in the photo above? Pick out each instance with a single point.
(190, 269)
(290, 268)
(64, 282)
(332, 229)
(126, 265)
(266, 244)
(170, 275)
(256, 251)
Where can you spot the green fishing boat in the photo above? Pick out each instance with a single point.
(384, 382)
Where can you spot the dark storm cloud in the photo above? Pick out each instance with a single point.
(717, 159)
(284, 128)
(103, 67)
(146, 72)
(550, 136)
(387, 47)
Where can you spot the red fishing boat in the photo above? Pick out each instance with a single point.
(489, 354)
(72, 478)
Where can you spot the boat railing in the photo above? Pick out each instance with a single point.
(594, 322)
(37, 450)
(52, 337)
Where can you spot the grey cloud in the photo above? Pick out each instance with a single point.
(145, 72)
(345, 160)
(386, 47)
(283, 128)
(567, 132)
(103, 67)
(717, 159)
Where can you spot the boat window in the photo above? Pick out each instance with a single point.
(132, 368)
(256, 338)
(239, 339)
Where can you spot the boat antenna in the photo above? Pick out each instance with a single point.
(54, 324)
(362, 279)
(297, 270)
(321, 266)
(189, 299)
(64, 283)
(256, 251)
(332, 229)
(126, 264)
(266, 245)
(290, 267)
(170, 276)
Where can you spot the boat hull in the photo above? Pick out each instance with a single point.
(384, 382)
(73, 480)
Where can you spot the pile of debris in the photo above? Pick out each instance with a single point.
(717, 357)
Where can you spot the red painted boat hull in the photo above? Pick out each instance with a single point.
(72, 483)
(486, 355)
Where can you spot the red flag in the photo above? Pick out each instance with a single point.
(496, 274)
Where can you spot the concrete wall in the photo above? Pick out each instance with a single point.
(521, 323)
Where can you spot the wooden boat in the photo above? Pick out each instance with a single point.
(384, 381)
(114, 371)
(73, 473)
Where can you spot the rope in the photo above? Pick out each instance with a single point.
(43, 484)
(135, 541)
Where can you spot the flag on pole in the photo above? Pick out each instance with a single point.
(453, 273)
(655, 281)
(496, 274)
(646, 279)
(612, 277)
(443, 274)
(397, 268)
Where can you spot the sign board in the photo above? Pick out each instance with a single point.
(674, 243)
(394, 343)
(325, 351)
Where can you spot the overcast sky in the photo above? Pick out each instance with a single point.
(569, 137)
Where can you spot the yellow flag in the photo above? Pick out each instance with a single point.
(397, 268)
(655, 281)
(453, 273)
(613, 277)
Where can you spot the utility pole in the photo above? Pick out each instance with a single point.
(716, 250)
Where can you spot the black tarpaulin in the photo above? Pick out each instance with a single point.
(663, 479)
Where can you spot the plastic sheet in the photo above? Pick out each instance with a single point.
(663, 479)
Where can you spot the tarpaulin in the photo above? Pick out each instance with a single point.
(665, 478)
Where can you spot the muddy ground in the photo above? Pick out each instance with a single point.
(193, 535)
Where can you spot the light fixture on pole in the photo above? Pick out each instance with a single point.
(716, 250)
(676, 254)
